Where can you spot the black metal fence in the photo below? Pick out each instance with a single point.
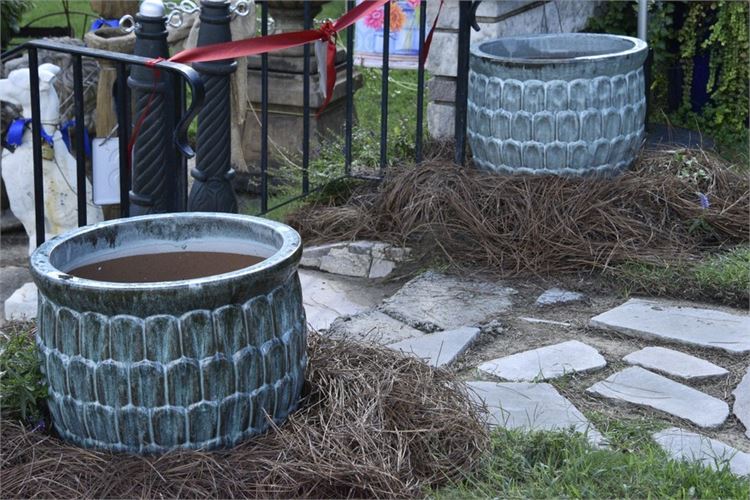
(184, 76)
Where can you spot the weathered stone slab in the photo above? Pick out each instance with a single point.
(342, 261)
(326, 297)
(372, 326)
(435, 301)
(689, 446)
(311, 256)
(531, 406)
(545, 363)
(364, 259)
(642, 387)
(558, 296)
(741, 407)
(438, 349)
(675, 363)
(682, 324)
(22, 304)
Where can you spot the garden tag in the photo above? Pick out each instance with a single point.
(106, 166)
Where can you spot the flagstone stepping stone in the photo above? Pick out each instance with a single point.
(642, 387)
(364, 259)
(675, 363)
(372, 326)
(558, 296)
(521, 405)
(689, 446)
(741, 407)
(434, 302)
(661, 320)
(438, 349)
(326, 297)
(545, 363)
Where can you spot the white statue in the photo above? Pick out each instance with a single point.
(60, 205)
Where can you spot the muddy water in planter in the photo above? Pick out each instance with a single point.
(167, 266)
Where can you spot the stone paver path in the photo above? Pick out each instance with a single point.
(22, 304)
(515, 405)
(438, 349)
(660, 320)
(546, 362)
(642, 387)
(372, 326)
(675, 363)
(689, 446)
(558, 296)
(741, 407)
(434, 302)
(326, 297)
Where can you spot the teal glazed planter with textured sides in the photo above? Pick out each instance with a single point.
(567, 104)
(155, 366)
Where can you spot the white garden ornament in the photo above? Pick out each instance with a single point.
(60, 206)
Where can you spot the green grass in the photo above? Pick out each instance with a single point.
(43, 8)
(561, 464)
(722, 277)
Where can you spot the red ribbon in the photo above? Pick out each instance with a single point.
(259, 45)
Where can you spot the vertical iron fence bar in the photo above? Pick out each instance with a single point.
(349, 93)
(80, 151)
(420, 82)
(123, 134)
(462, 80)
(181, 173)
(384, 88)
(306, 104)
(36, 141)
(264, 113)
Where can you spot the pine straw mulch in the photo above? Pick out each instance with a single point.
(541, 224)
(374, 424)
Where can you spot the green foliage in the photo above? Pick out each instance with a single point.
(11, 13)
(561, 464)
(718, 29)
(22, 392)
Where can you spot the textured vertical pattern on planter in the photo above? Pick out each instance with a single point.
(579, 123)
(202, 380)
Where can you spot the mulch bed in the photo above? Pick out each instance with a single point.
(373, 424)
(539, 224)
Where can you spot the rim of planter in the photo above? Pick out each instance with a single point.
(603, 50)
(159, 297)
(481, 48)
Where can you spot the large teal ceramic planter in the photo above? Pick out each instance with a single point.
(152, 367)
(569, 104)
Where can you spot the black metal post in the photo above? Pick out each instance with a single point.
(36, 141)
(420, 83)
(349, 127)
(154, 160)
(80, 153)
(462, 79)
(123, 134)
(264, 113)
(384, 88)
(212, 190)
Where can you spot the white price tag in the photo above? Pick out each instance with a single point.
(106, 166)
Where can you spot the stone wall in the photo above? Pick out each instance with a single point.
(496, 19)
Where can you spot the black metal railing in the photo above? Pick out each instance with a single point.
(185, 75)
(184, 115)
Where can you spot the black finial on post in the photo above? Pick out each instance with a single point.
(154, 165)
(212, 190)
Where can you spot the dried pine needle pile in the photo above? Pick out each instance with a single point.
(374, 424)
(670, 206)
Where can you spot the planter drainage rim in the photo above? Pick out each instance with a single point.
(479, 49)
